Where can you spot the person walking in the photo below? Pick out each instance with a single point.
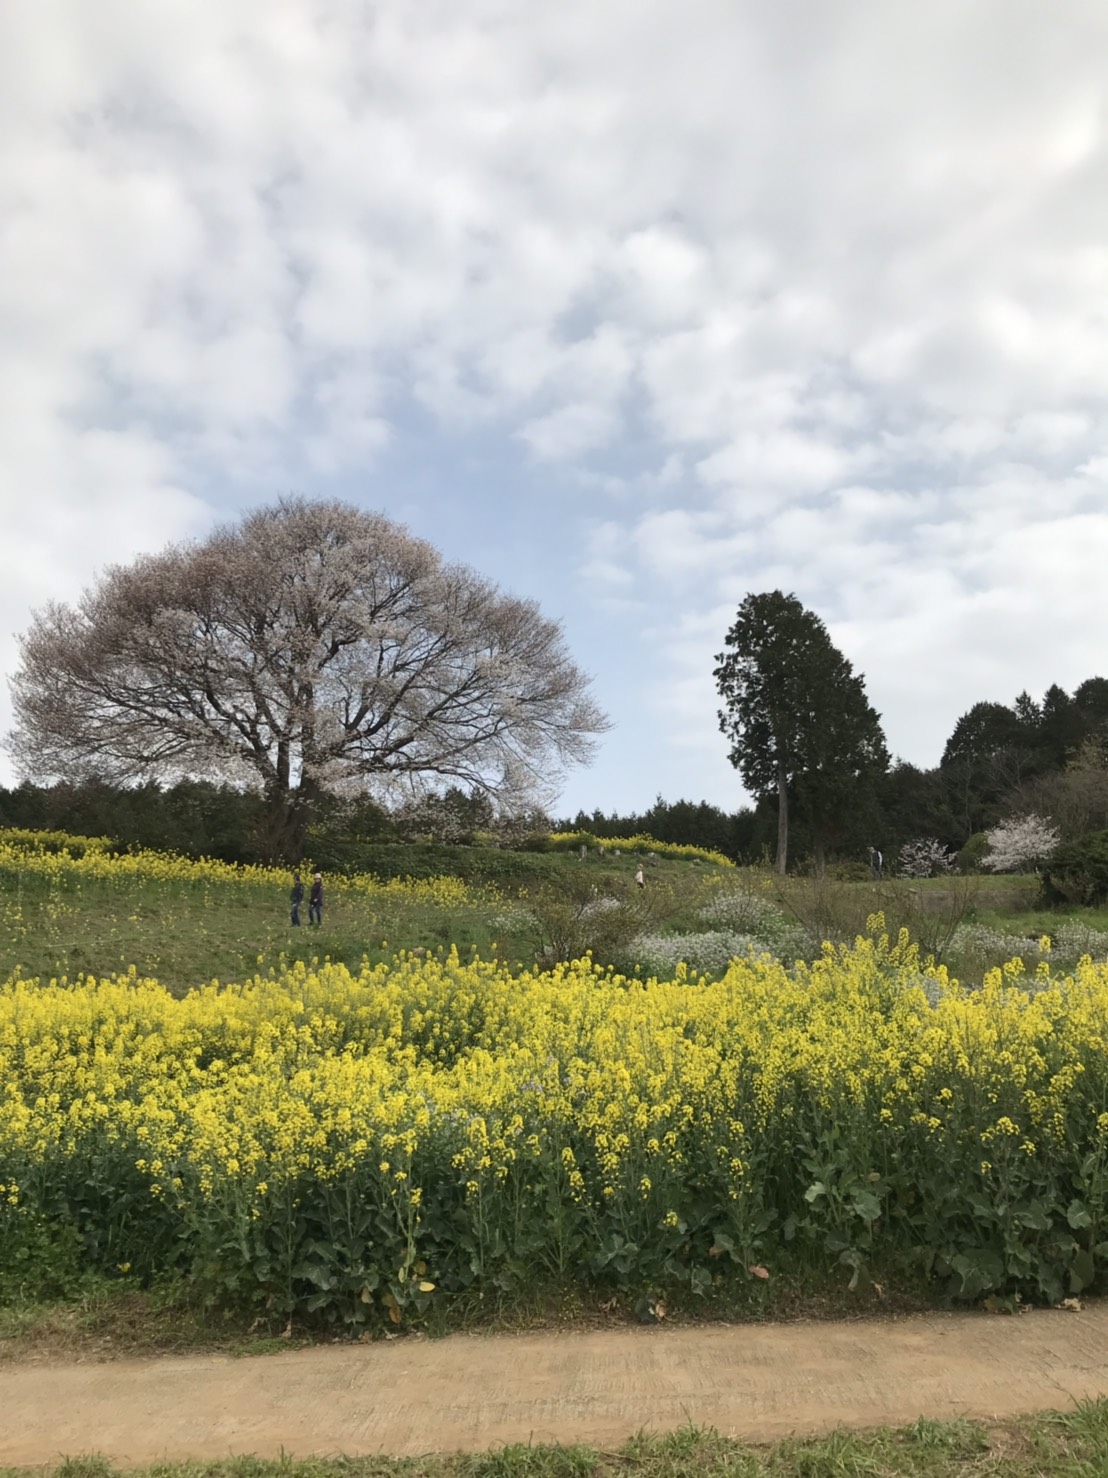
(315, 900)
(639, 879)
(876, 863)
(296, 898)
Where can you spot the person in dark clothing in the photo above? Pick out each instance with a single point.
(315, 900)
(296, 898)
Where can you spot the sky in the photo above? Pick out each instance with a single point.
(635, 307)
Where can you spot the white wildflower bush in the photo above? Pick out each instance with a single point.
(984, 941)
(600, 906)
(931, 987)
(751, 915)
(1074, 939)
(976, 948)
(925, 857)
(708, 953)
(516, 919)
(1019, 843)
(711, 951)
(512, 920)
(745, 912)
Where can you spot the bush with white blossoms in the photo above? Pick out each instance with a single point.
(709, 953)
(712, 951)
(597, 906)
(512, 920)
(1019, 843)
(925, 857)
(990, 946)
(1073, 939)
(745, 912)
(978, 947)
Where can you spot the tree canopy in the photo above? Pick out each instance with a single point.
(310, 648)
(796, 715)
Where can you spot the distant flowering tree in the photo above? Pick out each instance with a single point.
(1019, 843)
(925, 857)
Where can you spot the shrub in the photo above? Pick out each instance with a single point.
(825, 908)
(932, 915)
(708, 953)
(1075, 939)
(971, 855)
(976, 948)
(925, 857)
(745, 911)
(569, 841)
(1077, 873)
(568, 918)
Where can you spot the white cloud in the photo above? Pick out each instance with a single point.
(836, 274)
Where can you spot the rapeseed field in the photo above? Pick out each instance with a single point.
(363, 1147)
(73, 906)
(55, 855)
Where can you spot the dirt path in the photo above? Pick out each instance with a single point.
(414, 1396)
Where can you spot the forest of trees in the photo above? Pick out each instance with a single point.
(206, 819)
(1048, 756)
(313, 656)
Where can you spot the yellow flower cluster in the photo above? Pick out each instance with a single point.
(449, 1115)
(639, 844)
(52, 841)
(59, 857)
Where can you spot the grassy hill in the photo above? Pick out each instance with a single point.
(70, 907)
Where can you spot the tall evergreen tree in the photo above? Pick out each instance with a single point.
(1092, 699)
(990, 751)
(796, 715)
(1063, 728)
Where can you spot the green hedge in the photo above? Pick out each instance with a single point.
(433, 860)
(1078, 872)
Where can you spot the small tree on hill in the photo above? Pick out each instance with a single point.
(1019, 843)
(925, 857)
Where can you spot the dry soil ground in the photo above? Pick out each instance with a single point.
(409, 1396)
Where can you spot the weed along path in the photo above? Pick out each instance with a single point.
(413, 1396)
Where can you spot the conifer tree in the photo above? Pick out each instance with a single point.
(796, 714)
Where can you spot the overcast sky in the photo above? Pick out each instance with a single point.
(635, 306)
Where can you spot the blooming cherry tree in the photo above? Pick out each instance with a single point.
(310, 648)
(1019, 843)
(925, 857)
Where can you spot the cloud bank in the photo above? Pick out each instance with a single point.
(756, 294)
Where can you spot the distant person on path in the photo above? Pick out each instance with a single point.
(639, 877)
(876, 863)
(315, 900)
(296, 898)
